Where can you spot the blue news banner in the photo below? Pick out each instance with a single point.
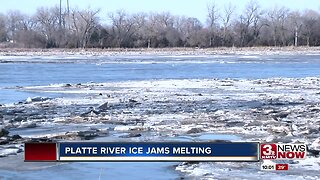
(157, 151)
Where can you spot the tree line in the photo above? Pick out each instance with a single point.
(82, 28)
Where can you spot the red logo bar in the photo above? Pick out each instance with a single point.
(40, 152)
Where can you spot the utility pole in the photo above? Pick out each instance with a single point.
(62, 18)
(66, 17)
(68, 8)
(60, 14)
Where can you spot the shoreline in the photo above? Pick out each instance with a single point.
(289, 50)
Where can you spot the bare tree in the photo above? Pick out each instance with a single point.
(295, 25)
(123, 27)
(189, 28)
(140, 30)
(3, 31)
(226, 18)
(89, 20)
(160, 29)
(48, 24)
(251, 20)
(277, 18)
(28, 36)
(164, 19)
(83, 24)
(57, 27)
(309, 21)
(14, 24)
(212, 20)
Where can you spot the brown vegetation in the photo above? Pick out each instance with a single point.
(75, 28)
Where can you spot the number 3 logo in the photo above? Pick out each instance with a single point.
(267, 150)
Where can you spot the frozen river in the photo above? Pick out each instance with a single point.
(18, 72)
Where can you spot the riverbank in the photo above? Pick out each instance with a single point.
(290, 50)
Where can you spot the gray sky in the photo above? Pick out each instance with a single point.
(193, 8)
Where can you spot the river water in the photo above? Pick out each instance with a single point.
(103, 69)
(44, 71)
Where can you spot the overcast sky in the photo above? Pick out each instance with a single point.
(193, 8)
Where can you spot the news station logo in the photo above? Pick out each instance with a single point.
(283, 151)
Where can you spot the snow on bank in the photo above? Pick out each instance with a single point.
(161, 51)
(165, 56)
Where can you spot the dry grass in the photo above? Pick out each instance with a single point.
(160, 51)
